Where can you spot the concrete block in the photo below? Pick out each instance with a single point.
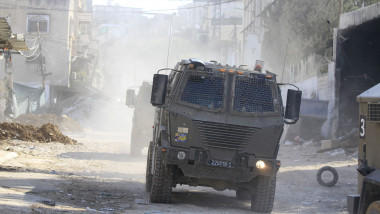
(327, 144)
(353, 203)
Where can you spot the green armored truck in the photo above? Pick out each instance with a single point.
(143, 115)
(217, 126)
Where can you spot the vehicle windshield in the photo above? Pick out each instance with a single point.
(256, 94)
(204, 90)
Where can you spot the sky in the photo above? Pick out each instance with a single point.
(147, 5)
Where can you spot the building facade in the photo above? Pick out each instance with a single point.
(253, 30)
(55, 30)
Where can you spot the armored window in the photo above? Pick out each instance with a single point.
(255, 94)
(206, 91)
(38, 23)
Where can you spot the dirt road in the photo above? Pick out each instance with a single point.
(98, 176)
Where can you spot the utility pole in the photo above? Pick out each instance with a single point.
(340, 10)
(217, 28)
(217, 20)
(11, 106)
(42, 61)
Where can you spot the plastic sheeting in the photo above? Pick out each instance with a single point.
(29, 99)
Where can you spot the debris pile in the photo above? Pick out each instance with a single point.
(46, 133)
(65, 123)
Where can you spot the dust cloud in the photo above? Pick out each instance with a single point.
(133, 47)
(129, 58)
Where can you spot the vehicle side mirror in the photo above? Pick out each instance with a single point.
(293, 105)
(159, 89)
(130, 97)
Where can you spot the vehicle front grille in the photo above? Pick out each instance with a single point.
(225, 136)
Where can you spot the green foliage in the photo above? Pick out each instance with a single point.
(299, 28)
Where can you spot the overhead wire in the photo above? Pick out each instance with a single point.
(65, 44)
(35, 48)
(30, 55)
(36, 57)
(35, 41)
(193, 7)
(98, 11)
(170, 36)
(31, 39)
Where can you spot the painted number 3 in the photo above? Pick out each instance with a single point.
(362, 126)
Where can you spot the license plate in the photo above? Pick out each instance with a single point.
(220, 163)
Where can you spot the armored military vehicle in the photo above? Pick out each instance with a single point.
(217, 126)
(368, 201)
(143, 115)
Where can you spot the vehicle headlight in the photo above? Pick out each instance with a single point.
(181, 155)
(260, 164)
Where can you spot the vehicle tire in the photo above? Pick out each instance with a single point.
(243, 194)
(148, 174)
(263, 194)
(374, 207)
(330, 169)
(162, 180)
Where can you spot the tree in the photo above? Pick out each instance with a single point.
(297, 29)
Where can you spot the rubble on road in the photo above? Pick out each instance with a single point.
(44, 134)
(65, 123)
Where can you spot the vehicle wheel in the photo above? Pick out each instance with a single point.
(243, 194)
(374, 207)
(162, 181)
(330, 169)
(148, 174)
(263, 194)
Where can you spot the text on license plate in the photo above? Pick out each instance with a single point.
(220, 163)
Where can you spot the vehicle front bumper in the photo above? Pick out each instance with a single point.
(197, 164)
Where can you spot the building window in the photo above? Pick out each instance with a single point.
(38, 23)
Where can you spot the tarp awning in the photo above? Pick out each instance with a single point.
(9, 40)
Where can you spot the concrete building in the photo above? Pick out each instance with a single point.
(217, 24)
(253, 30)
(356, 65)
(329, 107)
(114, 22)
(354, 69)
(56, 32)
(58, 23)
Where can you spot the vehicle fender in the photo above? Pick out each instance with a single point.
(164, 137)
(251, 161)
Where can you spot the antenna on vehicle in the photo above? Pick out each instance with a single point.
(170, 35)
